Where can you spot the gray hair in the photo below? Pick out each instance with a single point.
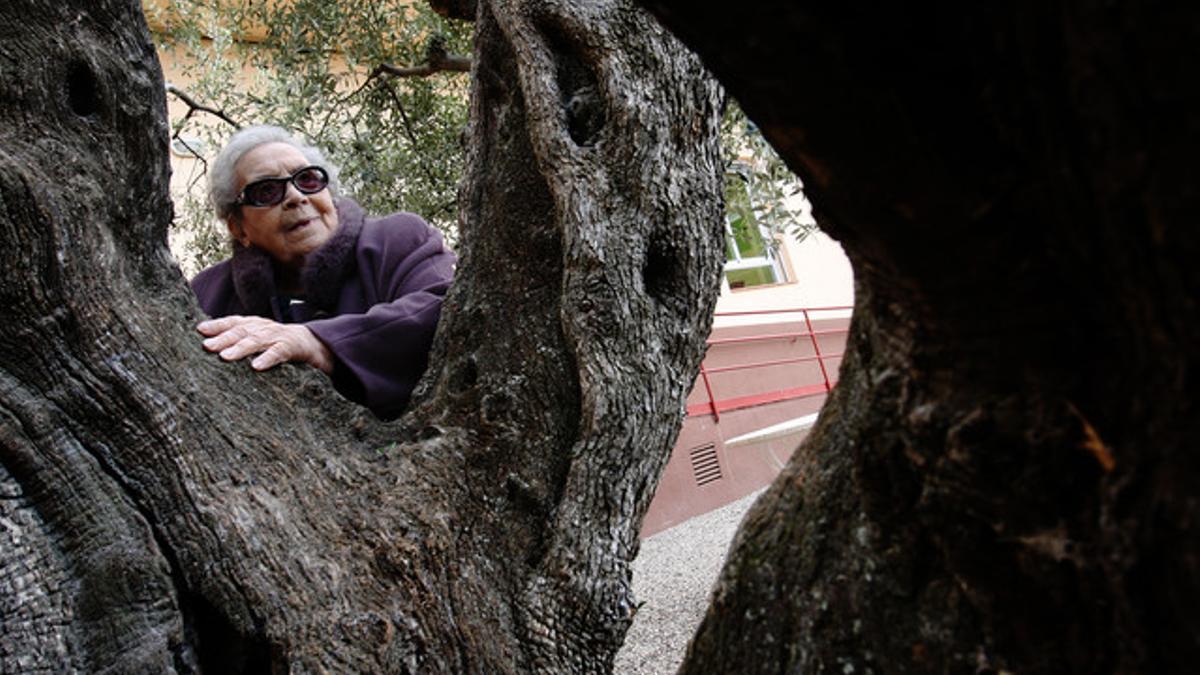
(222, 179)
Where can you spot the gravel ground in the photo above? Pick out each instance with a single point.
(673, 576)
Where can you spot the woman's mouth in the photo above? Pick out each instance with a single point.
(298, 224)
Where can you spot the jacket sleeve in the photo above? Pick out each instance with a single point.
(380, 354)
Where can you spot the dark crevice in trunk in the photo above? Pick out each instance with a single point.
(583, 104)
(81, 89)
(221, 647)
(665, 272)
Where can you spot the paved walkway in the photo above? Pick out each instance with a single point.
(673, 576)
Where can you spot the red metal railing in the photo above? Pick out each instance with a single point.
(714, 406)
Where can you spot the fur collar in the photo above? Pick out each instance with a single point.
(321, 278)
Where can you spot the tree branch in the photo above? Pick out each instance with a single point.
(408, 128)
(193, 106)
(455, 9)
(460, 64)
(437, 60)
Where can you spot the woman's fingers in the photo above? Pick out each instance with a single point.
(219, 342)
(242, 348)
(294, 343)
(276, 354)
(236, 337)
(217, 326)
(224, 331)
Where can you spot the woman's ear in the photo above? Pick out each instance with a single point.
(236, 230)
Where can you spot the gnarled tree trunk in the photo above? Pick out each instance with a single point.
(164, 511)
(1005, 477)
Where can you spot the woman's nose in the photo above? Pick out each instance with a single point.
(293, 196)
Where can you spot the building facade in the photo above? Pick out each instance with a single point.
(773, 357)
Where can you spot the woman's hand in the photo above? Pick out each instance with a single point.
(236, 337)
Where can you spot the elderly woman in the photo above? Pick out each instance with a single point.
(313, 280)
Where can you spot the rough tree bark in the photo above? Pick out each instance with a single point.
(1005, 478)
(163, 511)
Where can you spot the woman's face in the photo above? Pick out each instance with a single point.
(294, 227)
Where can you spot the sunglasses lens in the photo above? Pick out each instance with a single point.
(266, 192)
(271, 191)
(310, 180)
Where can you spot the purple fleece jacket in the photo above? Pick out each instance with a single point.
(372, 293)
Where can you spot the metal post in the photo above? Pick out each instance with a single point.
(712, 400)
(817, 350)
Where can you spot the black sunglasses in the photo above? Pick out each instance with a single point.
(271, 191)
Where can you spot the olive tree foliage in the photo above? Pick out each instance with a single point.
(311, 67)
(370, 82)
(760, 189)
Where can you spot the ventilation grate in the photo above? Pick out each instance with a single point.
(705, 466)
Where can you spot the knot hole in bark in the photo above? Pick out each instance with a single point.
(496, 406)
(82, 90)
(465, 375)
(661, 272)
(585, 116)
(221, 647)
(579, 94)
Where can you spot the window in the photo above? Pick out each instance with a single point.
(751, 256)
(188, 146)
